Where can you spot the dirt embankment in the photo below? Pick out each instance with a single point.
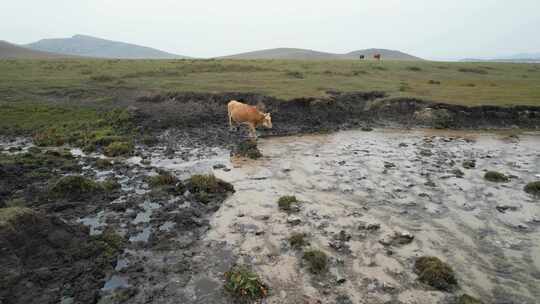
(43, 257)
(204, 115)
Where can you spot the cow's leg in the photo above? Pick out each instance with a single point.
(252, 130)
(230, 121)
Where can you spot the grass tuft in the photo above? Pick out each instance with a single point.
(9, 215)
(436, 273)
(316, 260)
(533, 188)
(286, 202)
(496, 177)
(298, 240)
(162, 179)
(244, 285)
(119, 148)
(467, 299)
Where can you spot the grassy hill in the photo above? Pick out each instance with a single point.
(12, 51)
(88, 46)
(386, 54)
(304, 54)
(285, 53)
(112, 81)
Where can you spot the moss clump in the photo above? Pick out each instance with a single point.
(248, 148)
(207, 183)
(298, 240)
(533, 188)
(207, 186)
(467, 299)
(109, 242)
(74, 187)
(110, 185)
(436, 273)
(286, 202)
(162, 179)
(9, 215)
(103, 164)
(497, 177)
(118, 148)
(317, 261)
(244, 285)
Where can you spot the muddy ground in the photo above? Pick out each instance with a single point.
(372, 201)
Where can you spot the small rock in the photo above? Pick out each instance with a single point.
(219, 166)
(343, 236)
(370, 226)
(343, 299)
(294, 220)
(389, 165)
(426, 153)
(504, 208)
(398, 238)
(339, 246)
(403, 145)
(341, 163)
(430, 184)
(458, 173)
(469, 164)
(388, 286)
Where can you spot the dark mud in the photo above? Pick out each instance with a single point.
(43, 259)
(157, 224)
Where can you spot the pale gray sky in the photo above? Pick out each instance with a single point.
(430, 29)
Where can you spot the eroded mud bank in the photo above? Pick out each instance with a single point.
(203, 115)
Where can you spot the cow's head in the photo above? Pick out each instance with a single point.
(267, 121)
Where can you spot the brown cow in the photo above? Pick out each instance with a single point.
(377, 56)
(249, 115)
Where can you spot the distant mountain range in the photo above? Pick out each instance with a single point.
(522, 57)
(88, 46)
(305, 54)
(13, 51)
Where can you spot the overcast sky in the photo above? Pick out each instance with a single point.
(430, 29)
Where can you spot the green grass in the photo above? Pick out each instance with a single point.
(108, 81)
(55, 125)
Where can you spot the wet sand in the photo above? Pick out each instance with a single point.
(404, 181)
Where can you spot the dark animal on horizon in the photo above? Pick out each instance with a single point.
(377, 56)
(242, 113)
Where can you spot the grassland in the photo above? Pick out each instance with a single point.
(106, 82)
